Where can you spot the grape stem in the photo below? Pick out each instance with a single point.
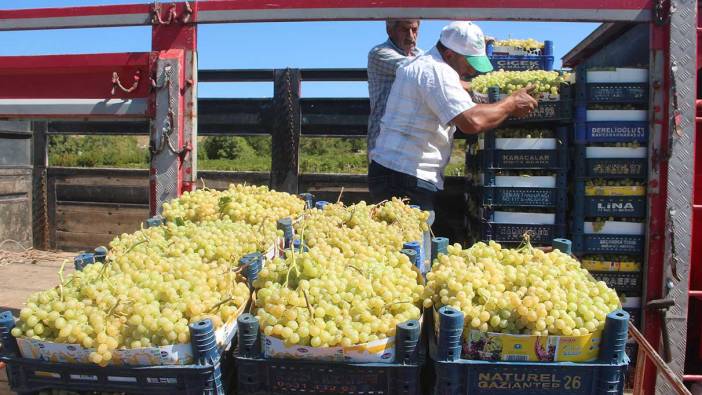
(60, 274)
(338, 199)
(307, 301)
(219, 304)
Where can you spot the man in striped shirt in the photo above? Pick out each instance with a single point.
(383, 61)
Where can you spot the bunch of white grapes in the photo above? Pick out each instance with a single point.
(511, 81)
(527, 44)
(362, 223)
(137, 299)
(519, 291)
(248, 203)
(156, 281)
(221, 242)
(524, 133)
(352, 286)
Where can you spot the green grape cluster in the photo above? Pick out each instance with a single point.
(524, 133)
(352, 286)
(156, 281)
(248, 203)
(519, 291)
(528, 44)
(134, 300)
(220, 242)
(511, 81)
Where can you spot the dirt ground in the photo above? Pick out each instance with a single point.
(23, 272)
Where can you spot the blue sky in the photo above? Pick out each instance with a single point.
(266, 45)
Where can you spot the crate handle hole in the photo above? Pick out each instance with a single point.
(249, 379)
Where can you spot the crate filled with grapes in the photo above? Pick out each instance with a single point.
(344, 313)
(611, 123)
(611, 160)
(523, 188)
(597, 197)
(522, 319)
(520, 55)
(614, 84)
(156, 311)
(510, 224)
(551, 88)
(520, 148)
(624, 236)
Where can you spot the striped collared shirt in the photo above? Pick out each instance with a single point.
(383, 61)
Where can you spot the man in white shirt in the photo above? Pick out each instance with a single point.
(426, 104)
(383, 61)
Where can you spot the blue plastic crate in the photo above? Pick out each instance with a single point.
(560, 111)
(608, 167)
(616, 168)
(547, 111)
(32, 375)
(619, 92)
(523, 197)
(629, 283)
(611, 132)
(521, 62)
(514, 233)
(490, 179)
(529, 378)
(544, 61)
(615, 206)
(455, 375)
(205, 377)
(272, 376)
(520, 159)
(623, 206)
(608, 244)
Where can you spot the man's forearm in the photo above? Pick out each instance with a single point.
(484, 117)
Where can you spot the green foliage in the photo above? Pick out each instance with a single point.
(98, 151)
(235, 153)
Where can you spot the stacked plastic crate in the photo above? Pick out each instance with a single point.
(517, 175)
(516, 58)
(609, 211)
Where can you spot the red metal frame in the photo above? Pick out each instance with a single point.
(659, 41)
(50, 81)
(289, 10)
(74, 76)
(694, 357)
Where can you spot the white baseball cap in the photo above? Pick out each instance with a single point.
(467, 39)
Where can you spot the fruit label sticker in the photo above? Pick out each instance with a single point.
(490, 346)
(526, 196)
(526, 159)
(567, 380)
(617, 130)
(377, 351)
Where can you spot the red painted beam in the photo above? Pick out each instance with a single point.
(225, 5)
(74, 76)
(75, 17)
(222, 11)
